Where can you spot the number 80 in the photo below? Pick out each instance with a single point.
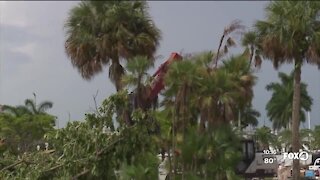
(268, 160)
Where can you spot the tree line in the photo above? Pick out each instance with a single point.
(206, 102)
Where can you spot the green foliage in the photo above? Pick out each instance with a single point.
(91, 149)
(283, 139)
(249, 116)
(145, 168)
(290, 33)
(211, 155)
(104, 32)
(279, 107)
(214, 94)
(137, 78)
(264, 137)
(315, 140)
(22, 127)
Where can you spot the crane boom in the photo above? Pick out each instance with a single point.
(157, 84)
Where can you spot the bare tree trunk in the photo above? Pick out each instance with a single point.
(295, 118)
(218, 52)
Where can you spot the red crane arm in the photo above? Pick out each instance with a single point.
(157, 84)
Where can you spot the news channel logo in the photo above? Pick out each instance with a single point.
(303, 155)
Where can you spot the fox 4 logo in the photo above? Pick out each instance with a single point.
(296, 155)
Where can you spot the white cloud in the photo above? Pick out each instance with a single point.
(28, 49)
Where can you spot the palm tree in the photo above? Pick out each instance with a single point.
(137, 78)
(180, 82)
(214, 96)
(242, 77)
(37, 108)
(23, 125)
(279, 107)
(103, 32)
(251, 42)
(249, 116)
(290, 33)
(223, 92)
(29, 107)
(235, 26)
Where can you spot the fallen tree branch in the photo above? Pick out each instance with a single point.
(12, 165)
(54, 168)
(80, 174)
(105, 149)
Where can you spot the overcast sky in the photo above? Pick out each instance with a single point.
(32, 56)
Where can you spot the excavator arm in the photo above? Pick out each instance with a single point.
(150, 94)
(158, 82)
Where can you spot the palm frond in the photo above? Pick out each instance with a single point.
(234, 26)
(43, 106)
(30, 104)
(98, 32)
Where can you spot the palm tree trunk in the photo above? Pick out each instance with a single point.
(295, 118)
(251, 55)
(218, 52)
(115, 60)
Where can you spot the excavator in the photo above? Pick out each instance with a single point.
(252, 164)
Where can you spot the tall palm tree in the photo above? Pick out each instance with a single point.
(227, 40)
(251, 42)
(103, 32)
(223, 92)
(291, 33)
(137, 77)
(279, 107)
(242, 77)
(195, 92)
(180, 80)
